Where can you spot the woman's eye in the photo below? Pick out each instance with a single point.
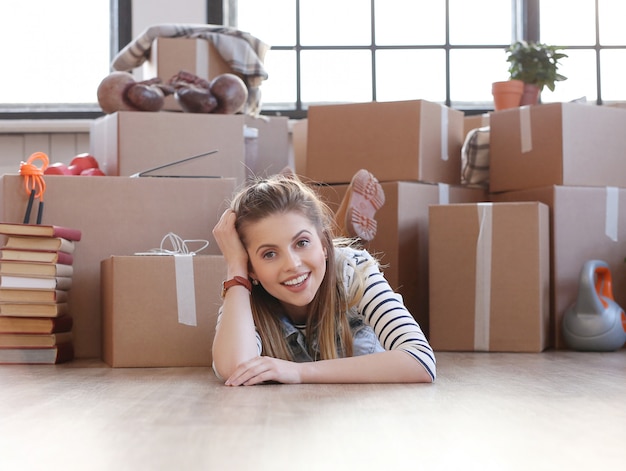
(268, 255)
(303, 243)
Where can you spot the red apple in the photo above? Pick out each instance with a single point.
(92, 172)
(57, 168)
(82, 162)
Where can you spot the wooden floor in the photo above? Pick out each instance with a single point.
(487, 411)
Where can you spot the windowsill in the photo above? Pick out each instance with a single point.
(27, 126)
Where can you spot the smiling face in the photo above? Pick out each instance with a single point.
(288, 259)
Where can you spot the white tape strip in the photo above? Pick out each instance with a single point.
(525, 129)
(444, 132)
(482, 303)
(185, 289)
(612, 213)
(444, 193)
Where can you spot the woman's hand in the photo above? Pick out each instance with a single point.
(262, 369)
(229, 242)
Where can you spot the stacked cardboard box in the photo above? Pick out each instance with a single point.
(129, 142)
(489, 277)
(570, 157)
(160, 310)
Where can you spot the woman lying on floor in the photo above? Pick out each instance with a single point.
(303, 306)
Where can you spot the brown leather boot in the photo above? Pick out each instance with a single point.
(355, 216)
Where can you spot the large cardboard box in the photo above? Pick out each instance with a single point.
(128, 142)
(587, 223)
(413, 140)
(118, 216)
(401, 239)
(168, 56)
(160, 311)
(489, 277)
(557, 144)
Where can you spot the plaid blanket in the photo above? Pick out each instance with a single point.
(475, 158)
(242, 51)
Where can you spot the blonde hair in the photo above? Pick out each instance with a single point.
(328, 321)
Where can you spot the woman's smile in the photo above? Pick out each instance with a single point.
(295, 282)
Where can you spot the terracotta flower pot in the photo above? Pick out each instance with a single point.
(507, 94)
(530, 95)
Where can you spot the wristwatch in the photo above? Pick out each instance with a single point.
(237, 280)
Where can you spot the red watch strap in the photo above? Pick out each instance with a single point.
(236, 280)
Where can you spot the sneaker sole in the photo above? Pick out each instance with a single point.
(367, 197)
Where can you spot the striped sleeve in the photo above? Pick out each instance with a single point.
(384, 310)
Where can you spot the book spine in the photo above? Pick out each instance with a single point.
(67, 233)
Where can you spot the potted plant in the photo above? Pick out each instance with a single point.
(536, 65)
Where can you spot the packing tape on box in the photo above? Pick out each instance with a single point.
(482, 301)
(444, 193)
(185, 289)
(525, 129)
(444, 133)
(612, 213)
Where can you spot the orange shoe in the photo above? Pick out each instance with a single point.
(364, 197)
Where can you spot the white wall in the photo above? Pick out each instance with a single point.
(150, 12)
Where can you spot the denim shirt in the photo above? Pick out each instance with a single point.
(365, 340)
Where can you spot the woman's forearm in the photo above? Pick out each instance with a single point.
(235, 337)
(393, 366)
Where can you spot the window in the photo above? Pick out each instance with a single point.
(593, 33)
(55, 53)
(447, 51)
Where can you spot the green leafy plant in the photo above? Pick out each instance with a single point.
(535, 63)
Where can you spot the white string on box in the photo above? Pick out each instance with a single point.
(184, 274)
(179, 246)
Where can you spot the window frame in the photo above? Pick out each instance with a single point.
(526, 25)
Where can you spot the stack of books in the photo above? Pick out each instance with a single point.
(36, 271)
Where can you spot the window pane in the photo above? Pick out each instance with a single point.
(400, 75)
(472, 71)
(567, 23)
(480, 22)
(336, 76)
(410, 22)
(280, 87)
(332, 22)
(612, 14)
(580, 69)
(53, 56)
(612, 73)
(272, 21)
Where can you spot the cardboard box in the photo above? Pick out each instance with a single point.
(129, 142)
(272, 146)
(587, 223)
(475, 121)
(557, 144)
(406, 140)
(168, 56)
(148, 320)
(118, 216)
(402, 234)
(299, 130)
(489, 277)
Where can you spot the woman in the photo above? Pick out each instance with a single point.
(303, 307)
